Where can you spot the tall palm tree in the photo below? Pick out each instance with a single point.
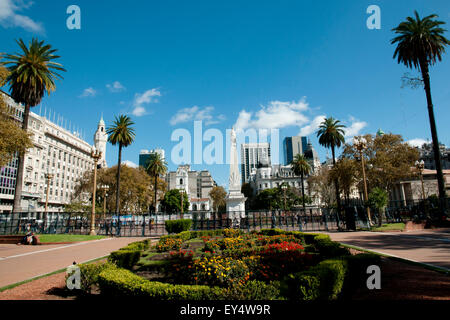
(156, 166)
(301, 167)
(331, 135)
(420, 42)
(121, 133)
(32, 73)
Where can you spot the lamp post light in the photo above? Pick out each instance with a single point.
(182, 191)
(49, 177)
(361, 144)
(96, 155)
(284, 187)
(420, 165)
(105, 189)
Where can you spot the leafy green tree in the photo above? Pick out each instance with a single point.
(300, 167)
(420, 43)
(248, 192)
(389, 159)
(121, 133)
(218, 195)
(268, 199)
(156, 166)
(32, 73)
(331, 135)
(12, 137)
(172, 201)
(346, 173)
(378, 198)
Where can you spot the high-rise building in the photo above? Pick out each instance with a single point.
(251, 155)
(145, 155)
(293, 146)
(56, 151)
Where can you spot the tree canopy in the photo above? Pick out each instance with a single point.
(172, 202)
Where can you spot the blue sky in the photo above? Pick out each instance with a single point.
(252, 64)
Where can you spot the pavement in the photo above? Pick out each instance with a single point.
(19, 262)
(431, 247)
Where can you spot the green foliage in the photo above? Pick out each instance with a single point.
(125, 258)
(218, 194)
(254, 290)
(324, 281)
(128, 256)
(89, 274)
(378, 198)
(177, 226)
(172, 202)
(121, 282)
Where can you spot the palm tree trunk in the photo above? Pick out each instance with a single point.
(20, 170)
(303, 192)
(156, 191)
(436, 151)
(118, 182)
(336, 183)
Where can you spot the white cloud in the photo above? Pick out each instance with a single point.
(129, 163)
(88, 92)
(312, 127)
(9, 17)
(196, 113)
(141, 99)
(278, 114)
(355, 128)
(116, 86)
(418, 142)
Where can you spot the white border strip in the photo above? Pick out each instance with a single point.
(394, 256)
(52, 249)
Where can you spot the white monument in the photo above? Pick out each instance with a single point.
(235, 199)
(100, 140)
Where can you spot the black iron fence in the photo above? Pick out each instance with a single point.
(353, 216)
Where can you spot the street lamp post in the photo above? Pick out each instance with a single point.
(49, 177)
(182, 191)
(361, 144)
(420, 165)
(96, 155)
(284, 187)
(105, 189)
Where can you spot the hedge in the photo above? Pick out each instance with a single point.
(177, 226)
(129, 256)
(121, 282)
(324, 281)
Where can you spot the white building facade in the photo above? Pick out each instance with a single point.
(56, 151)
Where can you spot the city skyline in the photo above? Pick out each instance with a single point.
(231, 64)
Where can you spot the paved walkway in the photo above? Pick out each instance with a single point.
(19, 263)
(426, 246)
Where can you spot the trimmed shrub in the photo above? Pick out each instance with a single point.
(89, 274)
(169, 243)
(324, 281)
(254, 290)
(124, 258)
(177, 226)
(121, 282)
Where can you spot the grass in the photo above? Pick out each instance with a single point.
(389, 227)
(50, 238)
(10, 286)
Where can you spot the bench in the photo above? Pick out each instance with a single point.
(14, 239)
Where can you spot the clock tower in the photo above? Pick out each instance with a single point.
(100, 139)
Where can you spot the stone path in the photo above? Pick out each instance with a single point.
(430, 247)
(19, 263)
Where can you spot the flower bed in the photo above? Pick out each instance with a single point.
(228, 264)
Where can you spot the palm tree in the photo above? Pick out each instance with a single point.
(301, 167)
(420, 42)
(121, 133)
(156, 166)
(331, 135)
(32, 73)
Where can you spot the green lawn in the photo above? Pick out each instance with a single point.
(49, 238)
(389, 227)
